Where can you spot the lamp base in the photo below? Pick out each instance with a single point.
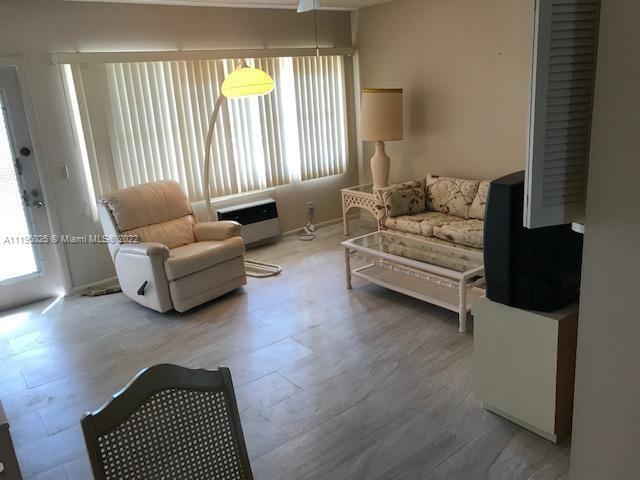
(380, 164)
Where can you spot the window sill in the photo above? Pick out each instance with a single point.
(236, 198)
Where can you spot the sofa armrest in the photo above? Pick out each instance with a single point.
(141, 274)
(216, 230)
(380, 210)
(148, 249)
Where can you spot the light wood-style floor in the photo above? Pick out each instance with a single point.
(332, 384)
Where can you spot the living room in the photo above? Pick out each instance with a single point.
(332, 237)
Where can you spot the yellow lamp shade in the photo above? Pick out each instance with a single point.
(247, 81)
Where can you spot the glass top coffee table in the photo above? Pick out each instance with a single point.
(443, 275)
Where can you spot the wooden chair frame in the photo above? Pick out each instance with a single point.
(147, 383)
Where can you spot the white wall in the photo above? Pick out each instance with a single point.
(606, 423)
(465, 68)
(35, 28)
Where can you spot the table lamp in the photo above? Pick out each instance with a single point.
(381, 121)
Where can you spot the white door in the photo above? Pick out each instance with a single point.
(28, 263)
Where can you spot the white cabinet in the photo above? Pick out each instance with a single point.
(524, 363)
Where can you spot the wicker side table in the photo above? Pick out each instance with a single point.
(360, 196)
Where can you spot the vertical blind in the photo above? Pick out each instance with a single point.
(156, 116)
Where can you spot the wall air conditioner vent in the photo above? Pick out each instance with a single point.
(259, 219)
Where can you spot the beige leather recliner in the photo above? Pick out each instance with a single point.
(184, 263)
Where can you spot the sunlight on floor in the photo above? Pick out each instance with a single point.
(11, 323)
(52, 304)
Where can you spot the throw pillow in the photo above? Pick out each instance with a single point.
(404, 202)
(479, 204)
(381, 211)
(451, 195)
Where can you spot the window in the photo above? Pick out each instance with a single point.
(147, 121)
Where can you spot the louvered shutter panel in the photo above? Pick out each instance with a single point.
(565, 48)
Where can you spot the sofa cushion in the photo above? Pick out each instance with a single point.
(465, 232)
(420, 223)
(173, 233)
(403, 186)
(197, 256)
(380, 210)
(479, 204)
(450, 195)
(379, 192)
(404, 202)
(146, 204)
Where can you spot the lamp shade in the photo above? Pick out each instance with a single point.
(381, 114)
(246, 82)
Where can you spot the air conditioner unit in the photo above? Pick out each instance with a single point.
(259, 219)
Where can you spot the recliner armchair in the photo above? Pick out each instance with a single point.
(177, 262)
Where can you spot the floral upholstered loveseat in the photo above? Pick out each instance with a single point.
(443, 209)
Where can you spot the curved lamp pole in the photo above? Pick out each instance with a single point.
(244, 81)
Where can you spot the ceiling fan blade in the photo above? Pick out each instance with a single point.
(308, 5)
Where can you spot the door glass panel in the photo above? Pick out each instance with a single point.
(17, 255)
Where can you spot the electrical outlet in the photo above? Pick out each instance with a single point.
(310, 208)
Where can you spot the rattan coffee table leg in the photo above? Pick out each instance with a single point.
(347, 263)
(462, 321)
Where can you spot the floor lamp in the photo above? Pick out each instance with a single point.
(244, 81)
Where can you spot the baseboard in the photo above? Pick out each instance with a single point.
(102, 283)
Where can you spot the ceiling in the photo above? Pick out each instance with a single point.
(325, 4)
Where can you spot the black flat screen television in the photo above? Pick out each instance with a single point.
(533, 269)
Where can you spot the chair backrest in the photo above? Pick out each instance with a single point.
(153, 212)
(10, 470)
(169, 422)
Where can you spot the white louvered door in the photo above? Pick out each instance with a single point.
(565, 47)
